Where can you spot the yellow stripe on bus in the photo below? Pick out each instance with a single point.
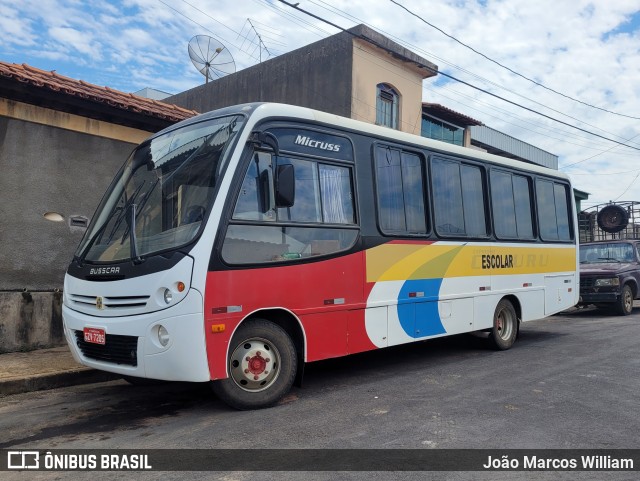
(393, 262)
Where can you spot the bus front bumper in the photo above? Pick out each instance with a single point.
(133, 347)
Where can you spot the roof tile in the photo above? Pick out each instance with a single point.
(51, 80)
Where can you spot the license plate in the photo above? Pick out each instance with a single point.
(94, 335)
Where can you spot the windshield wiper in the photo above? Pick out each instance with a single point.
(138, 209)
(608, 259)
(123, 211)
(131, 221)
(99, 232)
(127, 204)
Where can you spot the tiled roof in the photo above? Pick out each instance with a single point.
(446, 114)
(43, 79)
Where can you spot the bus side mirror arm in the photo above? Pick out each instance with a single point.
(285, 186)
(262, 139)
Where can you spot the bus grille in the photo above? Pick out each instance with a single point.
(112, 302)
(116, 350)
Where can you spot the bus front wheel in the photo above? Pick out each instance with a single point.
(505, 326)
(262, 366)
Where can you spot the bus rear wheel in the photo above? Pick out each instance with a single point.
(505, 326)
(262, 366)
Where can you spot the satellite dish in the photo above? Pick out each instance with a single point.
(210, 57)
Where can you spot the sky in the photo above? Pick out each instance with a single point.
(572, 66)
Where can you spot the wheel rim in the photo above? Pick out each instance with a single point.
(611, 219)
(255, 364)
(505, 324)
(628, 300)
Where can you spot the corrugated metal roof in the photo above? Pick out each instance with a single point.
(482, 136)
(448, 115)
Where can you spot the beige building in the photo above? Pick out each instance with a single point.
(358, 73)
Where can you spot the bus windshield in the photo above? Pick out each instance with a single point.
(161, 196)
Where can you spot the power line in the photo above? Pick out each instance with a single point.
(629, 186)
(285, 15)
(508, 68)
(537, 127)
(293, 18)
(607, 173)
(373, 42)
(274, 31)
(350, 17)
(589, 158)
(374, 60)
(207, 29)
(272, 40)
(212, 18)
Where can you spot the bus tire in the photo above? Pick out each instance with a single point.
(505, 326)
(624, 305)
(262, 366)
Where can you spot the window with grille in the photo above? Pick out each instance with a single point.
(387, 106)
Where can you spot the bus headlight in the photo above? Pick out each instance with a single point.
(168, 296)
(607, 282)
(163, 336)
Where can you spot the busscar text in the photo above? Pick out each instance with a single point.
(104, 270)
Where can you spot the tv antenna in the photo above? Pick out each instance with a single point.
(257, 40)
(261, 44)
(210, 57)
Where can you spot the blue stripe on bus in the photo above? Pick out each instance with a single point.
(419, 316)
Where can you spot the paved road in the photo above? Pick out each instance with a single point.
(571, 381)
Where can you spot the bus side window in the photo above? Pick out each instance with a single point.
(323, 196)
(400, 192)
(459, 199)
(511, 203)
(256, 200)
(553, 211)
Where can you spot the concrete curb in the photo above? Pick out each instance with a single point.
(43, 382)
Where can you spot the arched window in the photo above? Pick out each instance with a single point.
(387, 106)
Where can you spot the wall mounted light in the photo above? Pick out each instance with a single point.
(53, 216)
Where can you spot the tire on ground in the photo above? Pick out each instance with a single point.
(624, 304)
(262, 366)
(505, 326)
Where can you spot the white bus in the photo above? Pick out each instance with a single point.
(240, 244)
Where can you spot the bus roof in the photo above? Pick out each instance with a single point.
(263, 110)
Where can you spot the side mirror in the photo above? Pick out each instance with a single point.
(285, 186)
